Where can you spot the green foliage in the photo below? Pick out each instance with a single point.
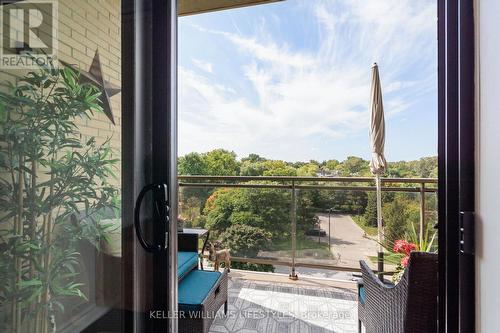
(428, 242)
(245, 240)
(223, 162)
(360, 221)
(354, 166)
(425, 167)
(278, 168)
(306, 217)
(332, 164)
(371, 210)
(218, 162)
(252, 267)
(53, 188)
(192, 164)
(253, 158)
(250, 168)
(268, 209)
(396, 220)
(308, 170)
(350, 202)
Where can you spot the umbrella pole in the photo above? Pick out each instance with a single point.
(380, 267)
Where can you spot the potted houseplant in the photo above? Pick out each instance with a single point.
(53, 184)
(412, 242)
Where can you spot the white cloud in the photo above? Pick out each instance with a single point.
(313, 93)
(203, 65)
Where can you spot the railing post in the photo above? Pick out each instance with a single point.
(422, 214)
(293, 208)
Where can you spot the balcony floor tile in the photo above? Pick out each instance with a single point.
(272, 307)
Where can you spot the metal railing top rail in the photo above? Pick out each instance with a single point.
(310, 187)
(291, 183)
(310, 179)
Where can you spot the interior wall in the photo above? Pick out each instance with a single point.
(488, 165)
(84, 26)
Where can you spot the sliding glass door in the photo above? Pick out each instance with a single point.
(88, 127)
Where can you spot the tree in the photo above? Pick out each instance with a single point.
(268, 209)
(218, 209)
(425, 167)
(249, 168)
(354, 166)
(332, 164)
(306, 217)
(396, 219)
(192, 164)
(245, 240)
(253, 158)
(371, 210)
(278, 168)
(308, 170)
(220, 162)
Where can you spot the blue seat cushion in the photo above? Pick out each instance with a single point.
(362, 294)
(186, 261)
(194, 288)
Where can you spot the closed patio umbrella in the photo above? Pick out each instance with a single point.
(378, 163)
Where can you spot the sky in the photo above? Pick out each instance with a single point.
(291, 80)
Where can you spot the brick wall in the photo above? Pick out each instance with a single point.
(84, 27)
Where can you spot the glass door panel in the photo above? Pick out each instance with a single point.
(68, 96)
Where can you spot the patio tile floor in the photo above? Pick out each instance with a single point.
(271, 307)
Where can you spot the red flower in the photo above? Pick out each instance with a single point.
(399, 245)
(402, 246)
(404, 261)
(409, 247)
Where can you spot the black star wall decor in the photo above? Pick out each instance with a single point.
(95, 76)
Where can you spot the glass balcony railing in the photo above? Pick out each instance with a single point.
(310, 225)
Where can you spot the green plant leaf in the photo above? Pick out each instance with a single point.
(29, 283)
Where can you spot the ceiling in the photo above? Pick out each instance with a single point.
(191, 7)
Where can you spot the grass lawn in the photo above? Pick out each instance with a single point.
(360, 221)
(389, 258)
(306, 248)
(303, 243)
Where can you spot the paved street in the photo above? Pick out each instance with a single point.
(348, 244)
(347, 239)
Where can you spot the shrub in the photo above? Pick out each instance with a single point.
(244, 240)
(396, 217)
(252, 267)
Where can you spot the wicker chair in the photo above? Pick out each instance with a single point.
(407, 307)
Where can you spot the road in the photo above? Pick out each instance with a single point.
(348, 240)
(348, 244)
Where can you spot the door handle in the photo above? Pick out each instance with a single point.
(160, 217)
